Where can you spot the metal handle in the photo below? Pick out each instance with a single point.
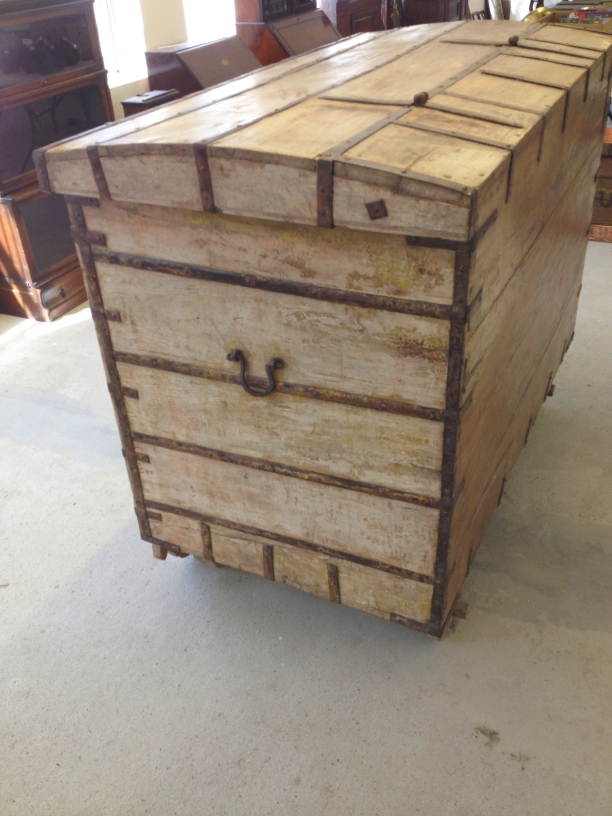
(236, 356)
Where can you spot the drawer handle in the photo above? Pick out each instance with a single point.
(236, 356)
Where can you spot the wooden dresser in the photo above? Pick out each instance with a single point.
(356, 16)
(277, 29)
(418, 12)
(331, 304)
(52, 85)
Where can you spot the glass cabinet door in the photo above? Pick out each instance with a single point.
(23, 128)
(44, 49)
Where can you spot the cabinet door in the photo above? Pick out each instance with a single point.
(357, 16)
(366, 20)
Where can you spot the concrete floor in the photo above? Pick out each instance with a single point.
(133, 686)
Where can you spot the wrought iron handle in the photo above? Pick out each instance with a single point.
(236, 356)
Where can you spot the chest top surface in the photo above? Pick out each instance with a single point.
(433, 112)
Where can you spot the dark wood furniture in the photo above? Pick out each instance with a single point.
(146, 101)
(277, 29)
(52, 86)
(356, 16)
(417, 12)
(188, 68)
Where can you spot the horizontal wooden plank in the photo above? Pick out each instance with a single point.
(306, 130)
(535, 71)
(557, 58)
(484, 111)
(356, 350)
(488, 32)
(75, 148)
(406, 214)
(390, 532)
(463, 126)
(372, 591)
(226, 115)
(434, 155)
(507, 93)
(432, 66)
(339, 258)
(367, 446)
(568, 35)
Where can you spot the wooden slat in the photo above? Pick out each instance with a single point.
(483, 111)
(372, 591)
(394, 533)
(339, 258)
(487, 133)
(185, 533)
(306, 130)
(367, 446)
(551, 57)
(487, 32)
(321, 344)
(427, 69)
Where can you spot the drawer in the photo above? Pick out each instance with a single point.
(329, 519)
(391, 450)
(335, 346)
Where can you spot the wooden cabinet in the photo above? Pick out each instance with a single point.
(417, 12)
(356, 16)
(277, 29)
(332, 296)
(186, 68)
(52, 86)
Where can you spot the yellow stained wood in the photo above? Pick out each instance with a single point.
(391, 532)
(400, 452)
(337, 346)
(422, 70)
(338, 258)
(307, 130)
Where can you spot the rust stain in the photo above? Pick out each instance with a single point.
(491, 736)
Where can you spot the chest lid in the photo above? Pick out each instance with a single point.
(412, 130)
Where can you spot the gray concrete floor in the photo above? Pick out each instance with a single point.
(133, 686)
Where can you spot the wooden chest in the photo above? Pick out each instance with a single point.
(332, 295)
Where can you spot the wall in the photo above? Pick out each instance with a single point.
(164, 24)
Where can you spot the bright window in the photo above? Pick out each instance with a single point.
(122, 40)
